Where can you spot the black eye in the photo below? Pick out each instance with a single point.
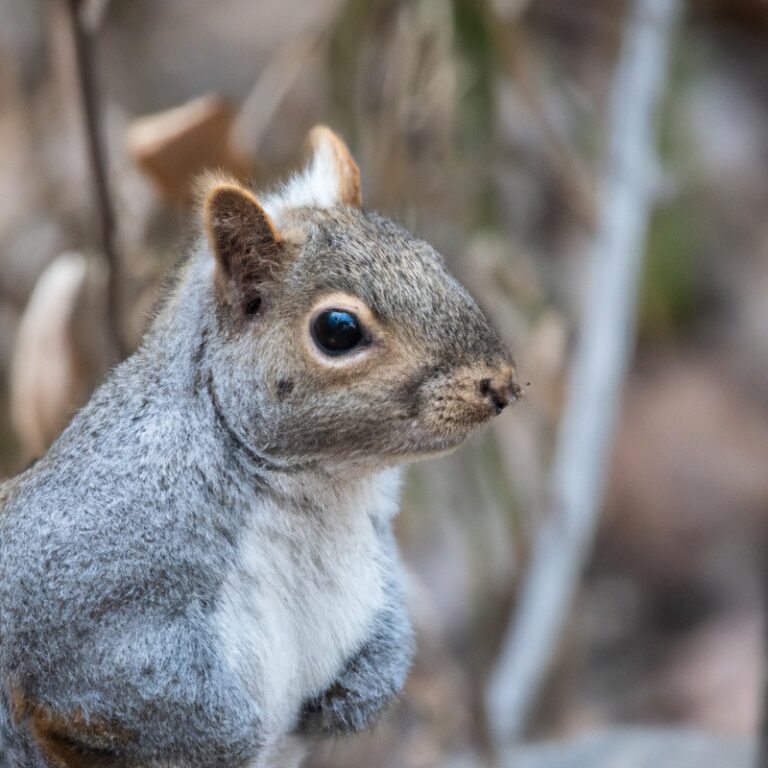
(336, 331)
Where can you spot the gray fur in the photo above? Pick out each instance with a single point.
(216, 492)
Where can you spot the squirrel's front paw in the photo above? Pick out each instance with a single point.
(339, 710)
(369, 681)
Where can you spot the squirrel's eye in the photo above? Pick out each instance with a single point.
(336, 331)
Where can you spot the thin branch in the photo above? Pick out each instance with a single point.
(599, 368)
(82, 40)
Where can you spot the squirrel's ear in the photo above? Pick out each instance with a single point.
(333, 167)
(330, 178)
(244, 241)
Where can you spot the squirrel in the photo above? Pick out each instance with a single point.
(202, 571)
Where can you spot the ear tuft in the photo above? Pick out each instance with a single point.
(330, 178)
(332, 156)
(242, 237)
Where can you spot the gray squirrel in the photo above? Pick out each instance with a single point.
(201, 571)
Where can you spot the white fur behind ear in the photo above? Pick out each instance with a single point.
(316, 186)
(331, 178)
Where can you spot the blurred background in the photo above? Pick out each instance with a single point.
(486, 127)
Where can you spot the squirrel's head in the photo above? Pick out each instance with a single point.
(340, 337)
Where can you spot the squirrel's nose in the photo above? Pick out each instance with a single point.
(500, 391)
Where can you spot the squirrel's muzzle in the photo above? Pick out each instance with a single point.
(500, 391)
(456, 401)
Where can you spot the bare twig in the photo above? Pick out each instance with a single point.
(82, 41)
(600, 362)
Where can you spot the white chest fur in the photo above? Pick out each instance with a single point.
(302, 594)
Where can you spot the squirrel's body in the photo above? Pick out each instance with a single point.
(203, 563)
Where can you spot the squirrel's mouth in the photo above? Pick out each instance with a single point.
(456, 405)
(447, 425)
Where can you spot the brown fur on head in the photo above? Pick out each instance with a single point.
(427, 367)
